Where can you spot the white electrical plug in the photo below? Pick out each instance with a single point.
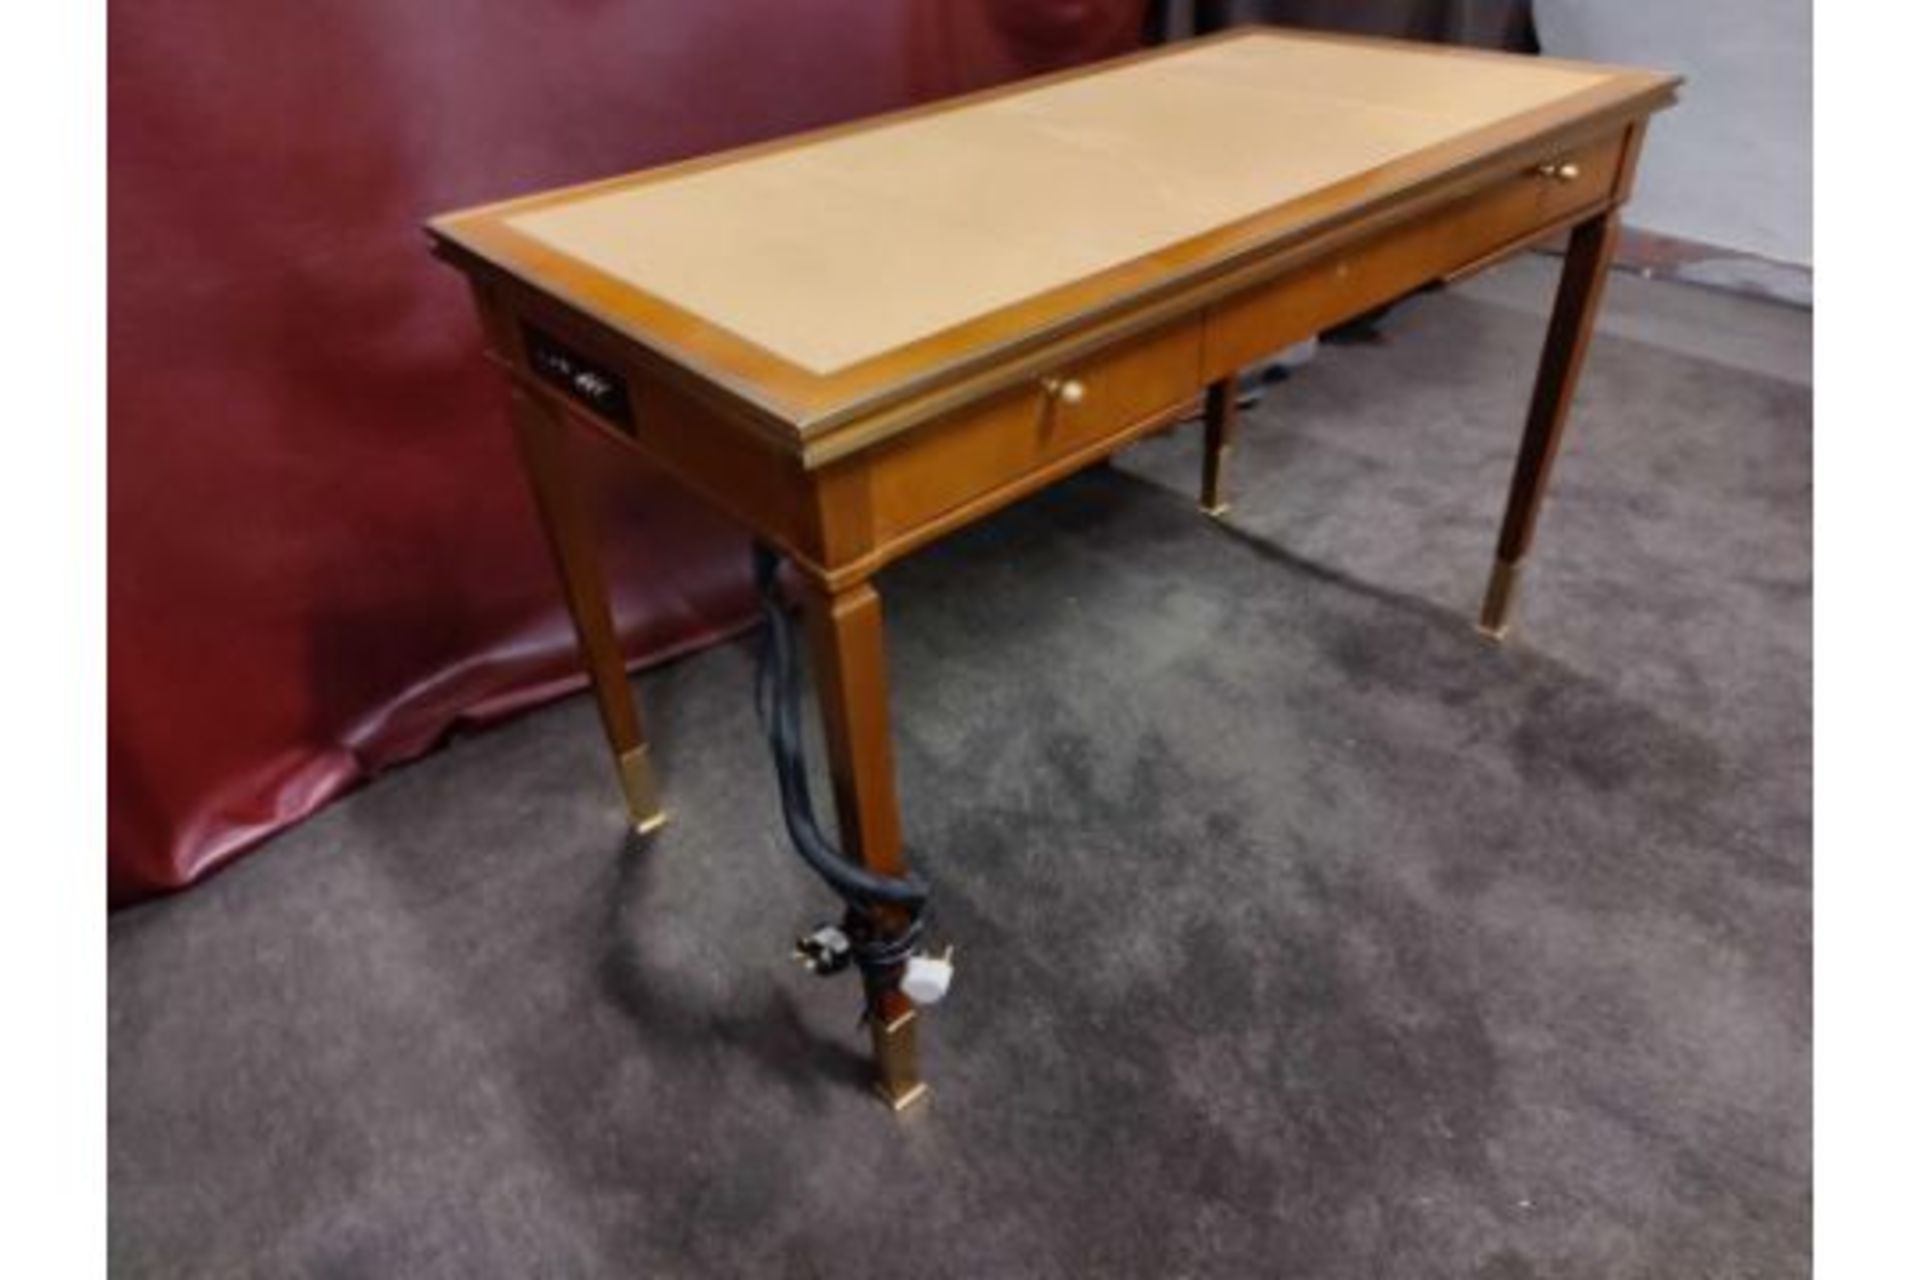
(927, 978)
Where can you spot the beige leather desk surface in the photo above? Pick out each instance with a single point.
(777, 274)
(832, 253)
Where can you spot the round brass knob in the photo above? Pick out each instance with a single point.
(1066, 390)
(1560, 171)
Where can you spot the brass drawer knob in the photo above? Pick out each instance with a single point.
(1065, 390)
(1559, 170)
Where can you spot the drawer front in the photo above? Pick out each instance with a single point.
(1071, 412)
(1249, 326)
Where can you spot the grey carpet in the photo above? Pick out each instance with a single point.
(1301, 932)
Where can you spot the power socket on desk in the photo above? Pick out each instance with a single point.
(587, 382)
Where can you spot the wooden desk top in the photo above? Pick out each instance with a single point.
(817, 278)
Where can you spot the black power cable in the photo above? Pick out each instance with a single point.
(880, 947)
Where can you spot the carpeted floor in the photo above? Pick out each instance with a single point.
(1301, 932)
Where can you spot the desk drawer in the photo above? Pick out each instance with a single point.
(1035, 431)
(1249, 326)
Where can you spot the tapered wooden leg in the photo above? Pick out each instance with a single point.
(850, 669)
(1583, 278)
(565, 519)
(1223, 421)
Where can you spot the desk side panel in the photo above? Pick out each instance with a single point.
(724, 460)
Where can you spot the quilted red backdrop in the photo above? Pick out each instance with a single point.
(321, 559)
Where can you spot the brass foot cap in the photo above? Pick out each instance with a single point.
(899, 1102)
(1215, 509)
(1496, 611)
(642, 792)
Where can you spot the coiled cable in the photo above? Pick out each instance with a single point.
(885, 914)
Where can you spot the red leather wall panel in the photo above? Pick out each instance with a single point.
(321, 558)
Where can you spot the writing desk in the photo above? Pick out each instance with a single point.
(863, 338)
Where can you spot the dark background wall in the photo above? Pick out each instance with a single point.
(320, 556)
(1497, 24)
